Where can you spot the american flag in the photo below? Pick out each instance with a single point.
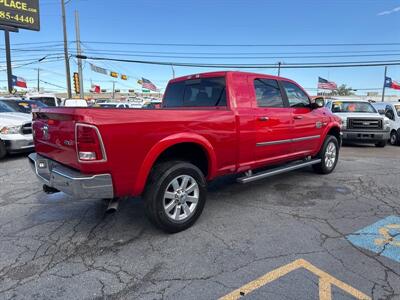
(325, 84)
(147, 84)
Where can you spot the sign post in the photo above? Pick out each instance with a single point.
(13, 15)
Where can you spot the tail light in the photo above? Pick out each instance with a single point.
(89, 145)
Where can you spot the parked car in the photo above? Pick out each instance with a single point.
(23, 106)
(15, 130)
(361, 122)
(48, 99)
(114, 105)
(391, 110)
(210, 125)
(136, 102)
(75, 103)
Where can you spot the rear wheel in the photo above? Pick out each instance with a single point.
(3, 150)
(394, 138)
(329, 155)
(175, 195)
(381, 144)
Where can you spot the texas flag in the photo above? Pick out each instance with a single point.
(19, 81)
(391, 83)
(96, 89)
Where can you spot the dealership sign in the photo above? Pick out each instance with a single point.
(20, 14)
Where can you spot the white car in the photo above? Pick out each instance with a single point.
(48, 99)
(75, 103)
(136, 102)
(361, 122)
(114, 105)
(15, 131)
(391, 110)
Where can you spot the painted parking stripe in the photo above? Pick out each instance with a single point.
(382, 237)
(326, 281)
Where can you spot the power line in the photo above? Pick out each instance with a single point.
(254, 66)
(243, 45)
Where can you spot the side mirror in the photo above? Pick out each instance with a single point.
(318, 103)
(389, 114)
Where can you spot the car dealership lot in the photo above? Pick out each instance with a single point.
(54, 247)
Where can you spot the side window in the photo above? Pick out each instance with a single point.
(205, 92)
(174, 95)
(389, 113)
(296, 96)
(268, 93)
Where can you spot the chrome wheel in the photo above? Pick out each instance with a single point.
(330, 155)
(181, 197)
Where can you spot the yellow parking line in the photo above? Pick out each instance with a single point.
(325, 282)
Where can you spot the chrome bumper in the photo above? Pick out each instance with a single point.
(70, 181)
(14, 146)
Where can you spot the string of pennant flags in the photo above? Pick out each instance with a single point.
(145, 83)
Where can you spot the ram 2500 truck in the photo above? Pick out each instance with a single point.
(210, 125)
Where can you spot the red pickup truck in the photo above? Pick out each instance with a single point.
(209, 125)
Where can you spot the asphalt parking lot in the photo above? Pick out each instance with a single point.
(302, 235)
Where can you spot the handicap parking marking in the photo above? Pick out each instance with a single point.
(325, 283)
(382, 237)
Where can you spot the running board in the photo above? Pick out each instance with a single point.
(276, 171)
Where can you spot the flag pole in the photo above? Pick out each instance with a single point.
(384, 85)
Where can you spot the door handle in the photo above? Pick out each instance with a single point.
(298, 117)
(263, 119)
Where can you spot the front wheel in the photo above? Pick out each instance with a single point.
(381, 144)
(175, 195)
(394, 138)
(3, 150)
(329, 155)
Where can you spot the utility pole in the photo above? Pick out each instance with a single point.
(79, 52)
(113, 90)
(173, 71)
(38, 80)
(66, 55)
(8, 59)
(279, 68)
(384, 85)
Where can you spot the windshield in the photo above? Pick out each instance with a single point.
(397, 108)
(108, 105)
(5, 108)
(352, 107)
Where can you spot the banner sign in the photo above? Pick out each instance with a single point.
(20, 14)
(97, 69)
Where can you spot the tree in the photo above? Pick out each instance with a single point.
(343, 90)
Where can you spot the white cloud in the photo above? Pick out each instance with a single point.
(388, 12)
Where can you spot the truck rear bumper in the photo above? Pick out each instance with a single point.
(70, 181)
(365, 136)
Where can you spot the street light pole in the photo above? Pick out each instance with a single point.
(78, 51)
(384, 85)
(66, 55)
(8, 58)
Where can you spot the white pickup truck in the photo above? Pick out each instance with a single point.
(15, 131)
(391, 110)
(361, 122)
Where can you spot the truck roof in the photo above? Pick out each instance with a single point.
(224, 73)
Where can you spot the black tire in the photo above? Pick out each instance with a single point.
(3, 150)
(381, 144)
(160, 180)
(394, 138)
(322, 167)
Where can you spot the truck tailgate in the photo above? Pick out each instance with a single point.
(54, 134)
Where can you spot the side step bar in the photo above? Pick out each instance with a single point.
(276, 171)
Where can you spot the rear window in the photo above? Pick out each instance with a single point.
(204, 92)
(49, 101)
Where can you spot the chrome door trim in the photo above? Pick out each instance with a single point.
(278, 142)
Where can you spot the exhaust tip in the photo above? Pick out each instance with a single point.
(112, 206)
